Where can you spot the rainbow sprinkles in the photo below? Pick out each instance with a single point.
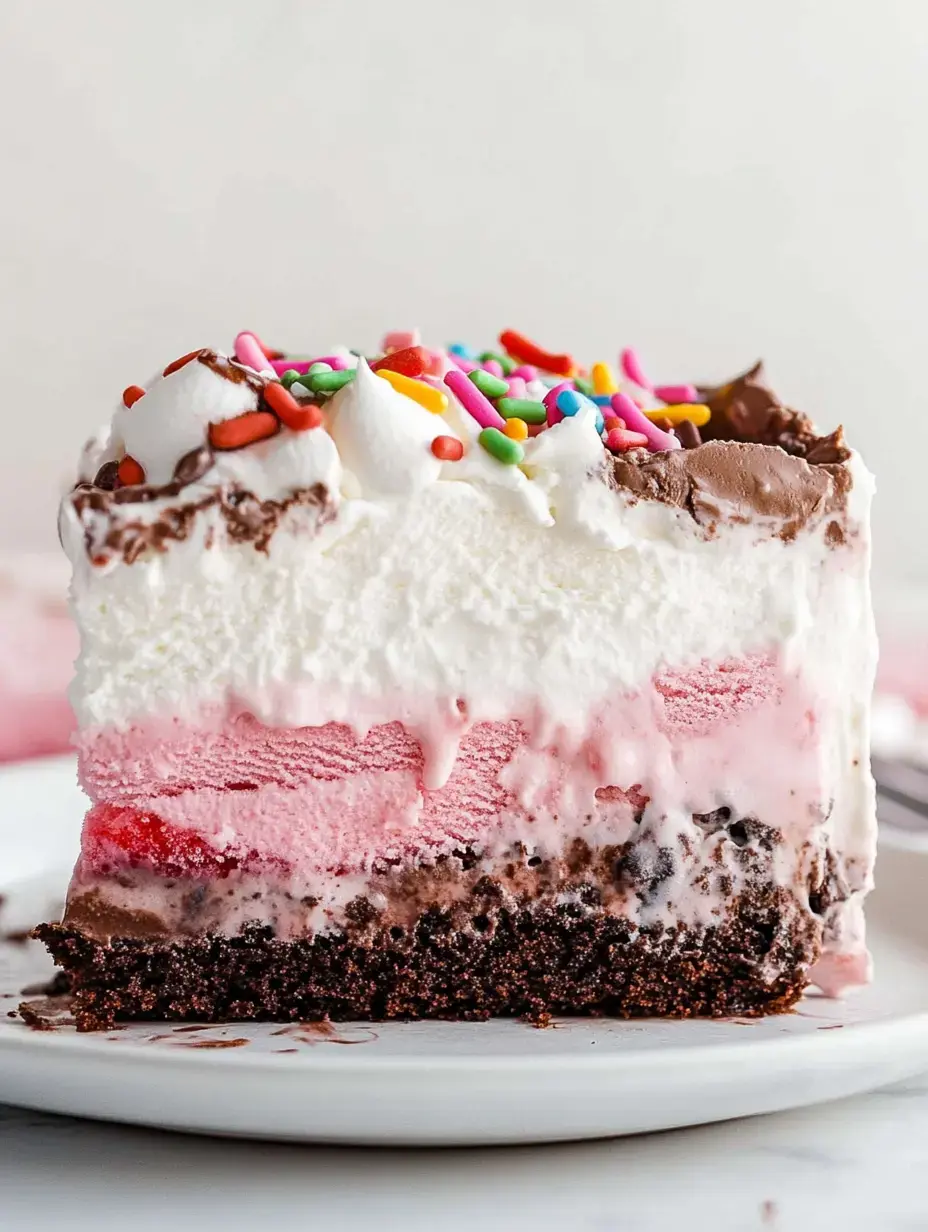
(511, 394)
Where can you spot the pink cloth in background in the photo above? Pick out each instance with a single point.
(903, 670)
(38, 646)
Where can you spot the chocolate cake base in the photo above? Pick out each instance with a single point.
(534, 962)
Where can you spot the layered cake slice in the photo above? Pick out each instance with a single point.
(437, 684)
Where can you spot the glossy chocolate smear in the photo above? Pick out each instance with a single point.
(730, 481)
(746, 409)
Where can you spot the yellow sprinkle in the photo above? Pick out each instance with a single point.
(695, 412)
(604, 381)
(516, 429)
(426, 395)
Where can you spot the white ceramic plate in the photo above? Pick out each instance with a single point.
(443, 1083)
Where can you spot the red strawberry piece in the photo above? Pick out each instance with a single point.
(116, 835)
(412, 361)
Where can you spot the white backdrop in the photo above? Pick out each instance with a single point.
(710, 180)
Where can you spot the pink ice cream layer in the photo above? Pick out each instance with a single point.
(330, 799)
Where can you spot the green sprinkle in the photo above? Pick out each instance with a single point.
(318, 366)
(522, 408)
(289, 377)
(489, 385)
(328, 382)
(585, 386)
(508, 365)
(501, 447)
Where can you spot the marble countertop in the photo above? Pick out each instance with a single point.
(855, 1164)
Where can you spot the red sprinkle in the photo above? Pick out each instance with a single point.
(131, 395)
(613, 421)
(297, 418)
(411, 361)
(528, 352)
(619, 439)
(448, 448)
(243, 430)
(179, 363)
(130, 472)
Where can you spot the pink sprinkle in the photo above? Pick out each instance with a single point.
(248, 351)
(517, 387)
(619, 440)
(631, 366)
(462, 364)
(287, 365)
(473, 400)
(637, 422)
(335, 362)
(494, 367)
(400, 339)
(677, 393)
(440, 363)
(526, 372)
(550, 401)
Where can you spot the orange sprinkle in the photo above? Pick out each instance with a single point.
(131, 395)
(297, 418)
(516, 429)
(528, 352)
(243, 430)
(613, 421)
(179, 363)
(448, 448)
(130, 472)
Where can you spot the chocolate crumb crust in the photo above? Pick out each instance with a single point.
(530, 961)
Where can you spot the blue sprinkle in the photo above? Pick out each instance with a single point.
(602, 399)
(569, 401)
(459, 349)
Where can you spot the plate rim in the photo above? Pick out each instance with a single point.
(914, 1024)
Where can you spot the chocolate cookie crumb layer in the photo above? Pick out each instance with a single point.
(529, 962)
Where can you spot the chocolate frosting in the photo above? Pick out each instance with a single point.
(247, 518)
(747, 409)
(759, 461)
(736, 482)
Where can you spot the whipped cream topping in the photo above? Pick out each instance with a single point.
(369, 442)
(173, 417)
(383, 438)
